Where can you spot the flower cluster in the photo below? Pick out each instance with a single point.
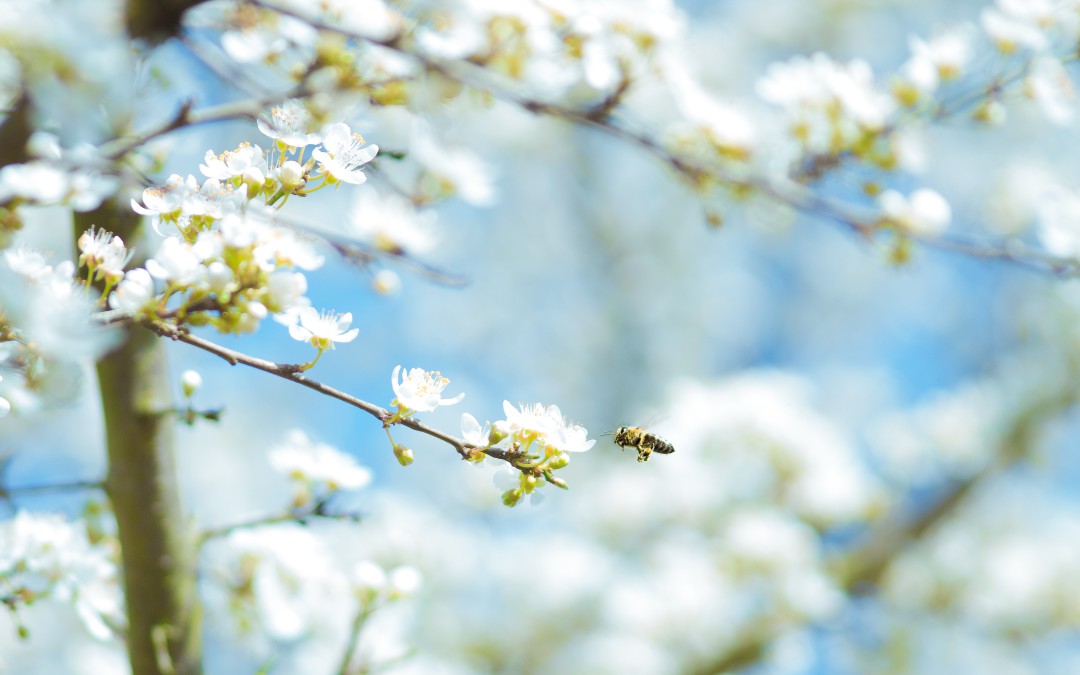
(316, 470)
(229, 264)
(537, 441)
(933, 62)
(923, 212)
(46, 319)
(831, 107)
(73, 177)
(45, 556)
(373, 585)
(287, 589)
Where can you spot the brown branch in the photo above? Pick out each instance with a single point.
(862, 221)
(184, 118)
(293, 373)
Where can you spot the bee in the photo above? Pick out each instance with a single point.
(646, 443)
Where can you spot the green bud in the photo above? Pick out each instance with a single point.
(559, 461)
(511, 497)
(494, 436)
(404, 455)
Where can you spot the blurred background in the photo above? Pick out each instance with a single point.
(874, 467)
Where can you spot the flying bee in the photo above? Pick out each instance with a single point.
(646, 443)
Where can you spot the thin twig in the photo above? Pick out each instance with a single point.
(353, 643)
(316, 509)
(72, 486)
(292, 372)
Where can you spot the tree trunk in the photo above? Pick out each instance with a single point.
(158, 544)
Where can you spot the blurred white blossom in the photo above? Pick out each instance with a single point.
(44, 556)
(317, 469)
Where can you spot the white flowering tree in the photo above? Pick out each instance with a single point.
(814, 519)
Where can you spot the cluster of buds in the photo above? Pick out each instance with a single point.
(535, 440)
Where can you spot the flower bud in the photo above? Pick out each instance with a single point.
(404, 581)
(368, 580)
(559, 483)
(291, 174)
(496, 434)
(404, 455)
(190, 380)
(511, 497)
(559, 461)
(386, 282)
(253, 177)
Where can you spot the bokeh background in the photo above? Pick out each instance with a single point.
(814, 393)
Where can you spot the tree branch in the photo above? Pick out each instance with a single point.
(72, 486)
(292, 372)
(860, 220)
(316, 509)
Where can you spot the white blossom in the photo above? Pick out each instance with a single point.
(1052, 89)
(190, 381)
(278, 581)
(165, 203)
(104, 251)
(923, 212)
(135, 291)
(41, 182)
(369, 578)
(303, 460)
(288, 124)
(391, 223)
(285, 290)
(544, 424)
(473, 433)
(324, 329)
(405, 580)
(1013, 24)
(176, 262)
(345, 154)
(420, 390)
(459, 168)
(234, 163)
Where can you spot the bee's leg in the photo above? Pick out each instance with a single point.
(643, 452)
